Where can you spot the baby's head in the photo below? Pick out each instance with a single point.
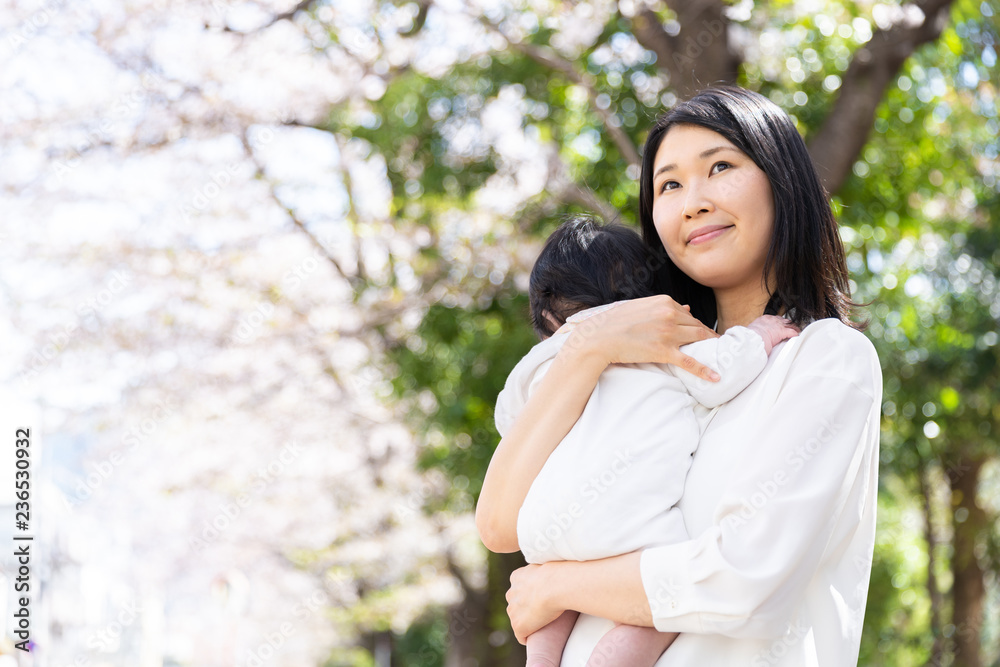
(585, 264)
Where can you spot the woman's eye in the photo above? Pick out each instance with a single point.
(668, 185)
(720, 164)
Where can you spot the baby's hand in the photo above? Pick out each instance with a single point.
(773, 330)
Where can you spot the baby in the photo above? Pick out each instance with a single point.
(611, 485)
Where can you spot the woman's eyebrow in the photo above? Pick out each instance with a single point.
(704, 154)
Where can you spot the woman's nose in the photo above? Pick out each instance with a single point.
(696, 203)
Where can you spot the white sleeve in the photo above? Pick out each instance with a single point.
(744, 576)
(521, 384)
(738, 357)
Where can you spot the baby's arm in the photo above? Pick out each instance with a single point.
(545, 647)
(738, 356)
(630, 646)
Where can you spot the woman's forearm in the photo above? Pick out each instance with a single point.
(547, 417)
(613, 588)
(651, 329)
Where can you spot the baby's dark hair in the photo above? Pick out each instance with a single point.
(585, 264)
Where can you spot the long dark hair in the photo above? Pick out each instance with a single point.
(806, 254)
(584, 264)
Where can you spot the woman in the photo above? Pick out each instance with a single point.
(780, 497)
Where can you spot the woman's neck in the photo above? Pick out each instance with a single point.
(739, 306)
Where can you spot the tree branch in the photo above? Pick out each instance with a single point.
(547, 57)
(353, 281)
(300, 7)
(845, 131)
(564, 189)
(700, 54)
(305, 5)
(463, 580)
(649, 32)
(418, 23)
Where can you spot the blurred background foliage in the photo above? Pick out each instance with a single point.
(898, 104)
(325, 214)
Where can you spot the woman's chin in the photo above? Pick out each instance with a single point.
(720, 270)
(708, 273)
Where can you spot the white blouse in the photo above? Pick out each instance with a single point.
(611, 485)
(780, 499)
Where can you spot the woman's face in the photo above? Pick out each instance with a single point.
(712, 207)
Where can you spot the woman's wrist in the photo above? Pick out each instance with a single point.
(556, 598)
(584, 347)
(610, 587)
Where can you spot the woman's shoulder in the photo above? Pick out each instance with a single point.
(831, 348)
(837, 332)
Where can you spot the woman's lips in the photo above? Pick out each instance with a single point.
(707, 233)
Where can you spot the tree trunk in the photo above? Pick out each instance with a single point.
(873, 67)
(969, 589)
(698, 55)
(468, 630)
(482, 615)
(508, 652)
(937, 602)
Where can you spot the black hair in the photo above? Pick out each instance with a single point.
(806, 256)
(584, 264)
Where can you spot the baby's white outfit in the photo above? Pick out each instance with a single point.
(611, 486)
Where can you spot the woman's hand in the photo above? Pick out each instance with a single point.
(651, 329)
(528, 607)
